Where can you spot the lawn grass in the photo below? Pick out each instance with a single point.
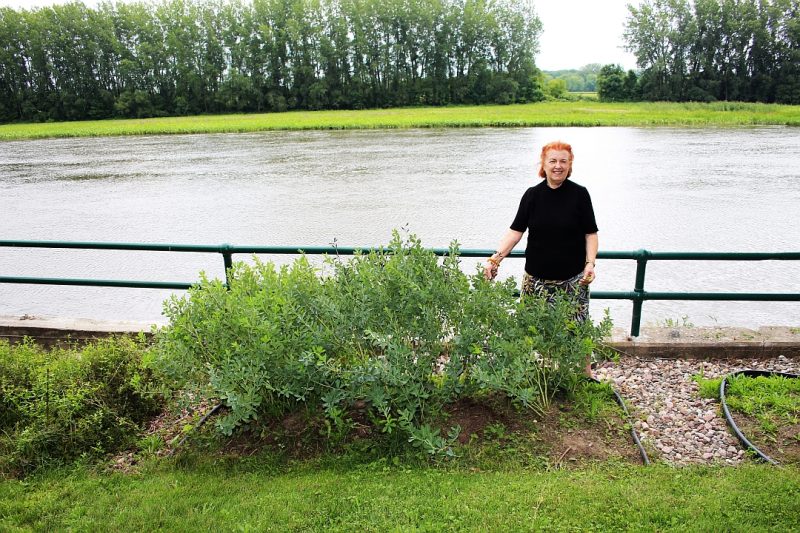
(253, 495)
(574, 113)
(767, 411)
(765, 396)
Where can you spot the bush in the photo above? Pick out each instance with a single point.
(64, 404)
(396, 330)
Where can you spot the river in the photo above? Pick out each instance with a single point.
(662, 189)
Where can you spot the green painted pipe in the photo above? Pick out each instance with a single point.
(99, 282)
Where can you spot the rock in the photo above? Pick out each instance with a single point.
(664, 399)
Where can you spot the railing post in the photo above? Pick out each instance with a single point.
(228, 262)
(638, 291)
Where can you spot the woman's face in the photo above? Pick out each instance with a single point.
(556, 166)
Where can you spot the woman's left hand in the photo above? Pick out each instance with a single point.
(588, 274)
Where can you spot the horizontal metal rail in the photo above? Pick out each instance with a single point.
(637, 296)
(99, 282)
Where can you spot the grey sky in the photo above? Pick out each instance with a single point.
(579, 32)
(576, 32)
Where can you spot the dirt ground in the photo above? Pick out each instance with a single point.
(560, 438)
(782, 446)
(562, 435)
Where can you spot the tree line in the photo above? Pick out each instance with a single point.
(177, 57)
(583, 79)
(706, 50)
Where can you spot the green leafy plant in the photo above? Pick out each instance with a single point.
(593, 400)
(398, 332)
(67, 403)
(495, 431)
(682, 322)
(150, 444)
(708, 388)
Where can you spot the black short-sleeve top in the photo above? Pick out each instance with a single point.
(557, 221)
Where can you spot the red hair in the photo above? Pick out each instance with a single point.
(555, 145)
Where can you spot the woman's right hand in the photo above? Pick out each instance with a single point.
(490, 270)
(507, 243)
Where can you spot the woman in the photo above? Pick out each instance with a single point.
(562, 233)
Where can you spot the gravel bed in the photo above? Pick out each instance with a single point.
(670, 416)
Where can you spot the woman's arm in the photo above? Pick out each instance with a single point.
(507, 243)
(591, 257)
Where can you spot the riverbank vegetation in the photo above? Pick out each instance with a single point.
(582, 80)
(167, 58)
(577, 113)
(708, 50)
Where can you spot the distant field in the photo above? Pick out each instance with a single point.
(585, 95)
(575, 113)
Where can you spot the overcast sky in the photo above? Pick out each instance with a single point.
(576, 32)
(579, 32)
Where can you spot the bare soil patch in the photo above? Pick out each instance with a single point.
(571, 437)
(783, 445)
(563, 436)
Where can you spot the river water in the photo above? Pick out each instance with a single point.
(659, 189)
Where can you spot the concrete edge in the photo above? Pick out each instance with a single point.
(52, 331)
(707, 350)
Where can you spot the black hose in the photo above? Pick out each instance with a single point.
(722, 386)
(618, 398)
(202, 421)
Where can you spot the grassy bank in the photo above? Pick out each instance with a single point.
(579, 113)
(253, 496)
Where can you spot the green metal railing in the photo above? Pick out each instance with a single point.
(638, 295)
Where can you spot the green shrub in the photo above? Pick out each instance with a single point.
(396, 330)
(62, 404)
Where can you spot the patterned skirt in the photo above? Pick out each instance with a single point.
(545, 288)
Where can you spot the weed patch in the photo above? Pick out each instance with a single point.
(68, 403)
